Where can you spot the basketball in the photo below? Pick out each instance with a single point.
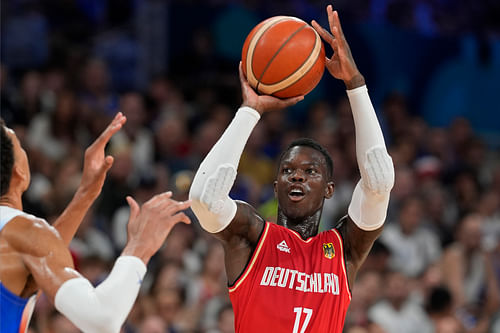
(283, 56)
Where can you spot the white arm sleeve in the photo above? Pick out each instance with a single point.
(105, 308)
(211, 185)
(368, 207)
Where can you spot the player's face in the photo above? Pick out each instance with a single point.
(20, 159)
(302, 183)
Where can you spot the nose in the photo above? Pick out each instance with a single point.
(297, 176)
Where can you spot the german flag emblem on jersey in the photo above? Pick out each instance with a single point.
(328, 250)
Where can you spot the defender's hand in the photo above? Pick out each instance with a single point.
(150, 224)
(263, 103)
(96, 164)
(341, 65)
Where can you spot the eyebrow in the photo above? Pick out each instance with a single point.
(315, 164)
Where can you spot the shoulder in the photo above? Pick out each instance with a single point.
(25, 233)
(330, 234)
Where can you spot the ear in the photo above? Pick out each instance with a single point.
(330, 188)
(275, 185)
(18, 172)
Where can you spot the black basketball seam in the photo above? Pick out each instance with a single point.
(276, 54)
(284, 18)
(310, 68)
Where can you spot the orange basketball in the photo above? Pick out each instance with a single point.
(283, 56)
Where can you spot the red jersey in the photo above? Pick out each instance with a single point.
(291, 285)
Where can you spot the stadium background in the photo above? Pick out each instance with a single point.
(432, 69)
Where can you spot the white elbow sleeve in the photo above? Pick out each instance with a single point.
(378, 171)
(368, 207)
(105, 308)
(211, 204)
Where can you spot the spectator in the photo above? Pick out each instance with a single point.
(397, 312)
(96, 94)
(225, 320)
(153, 324)
(136, 135)
(413, 247)
(468, 273)
(440, 310)
(54, 134)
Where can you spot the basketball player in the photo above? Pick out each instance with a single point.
(34, 255)
(286, 277)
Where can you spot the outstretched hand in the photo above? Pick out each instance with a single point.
(341, 65)
(263, 103)
(150, 224)
(96, 164)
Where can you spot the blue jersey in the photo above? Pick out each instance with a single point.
(15, 311)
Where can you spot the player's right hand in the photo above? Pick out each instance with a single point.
(150, 224)
(263, 103)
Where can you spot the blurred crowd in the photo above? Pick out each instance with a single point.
(436, 267)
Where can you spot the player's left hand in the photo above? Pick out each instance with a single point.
(341, 65)
(96, 164)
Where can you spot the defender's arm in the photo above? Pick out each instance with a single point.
(101, 309)
(104, 308)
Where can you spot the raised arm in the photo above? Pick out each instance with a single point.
(236, 224)
(95, 166)
(213, 181)
(368, 207)
(105, 308)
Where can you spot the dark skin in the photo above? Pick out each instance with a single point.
(96, 165)
(302, 168)
(34, 255)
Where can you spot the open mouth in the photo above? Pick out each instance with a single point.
(296, 194)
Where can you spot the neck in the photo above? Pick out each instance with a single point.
(11, 200)
(305, 226)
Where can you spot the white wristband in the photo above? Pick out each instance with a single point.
(250, 111)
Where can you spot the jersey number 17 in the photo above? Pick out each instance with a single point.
(298, 315)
